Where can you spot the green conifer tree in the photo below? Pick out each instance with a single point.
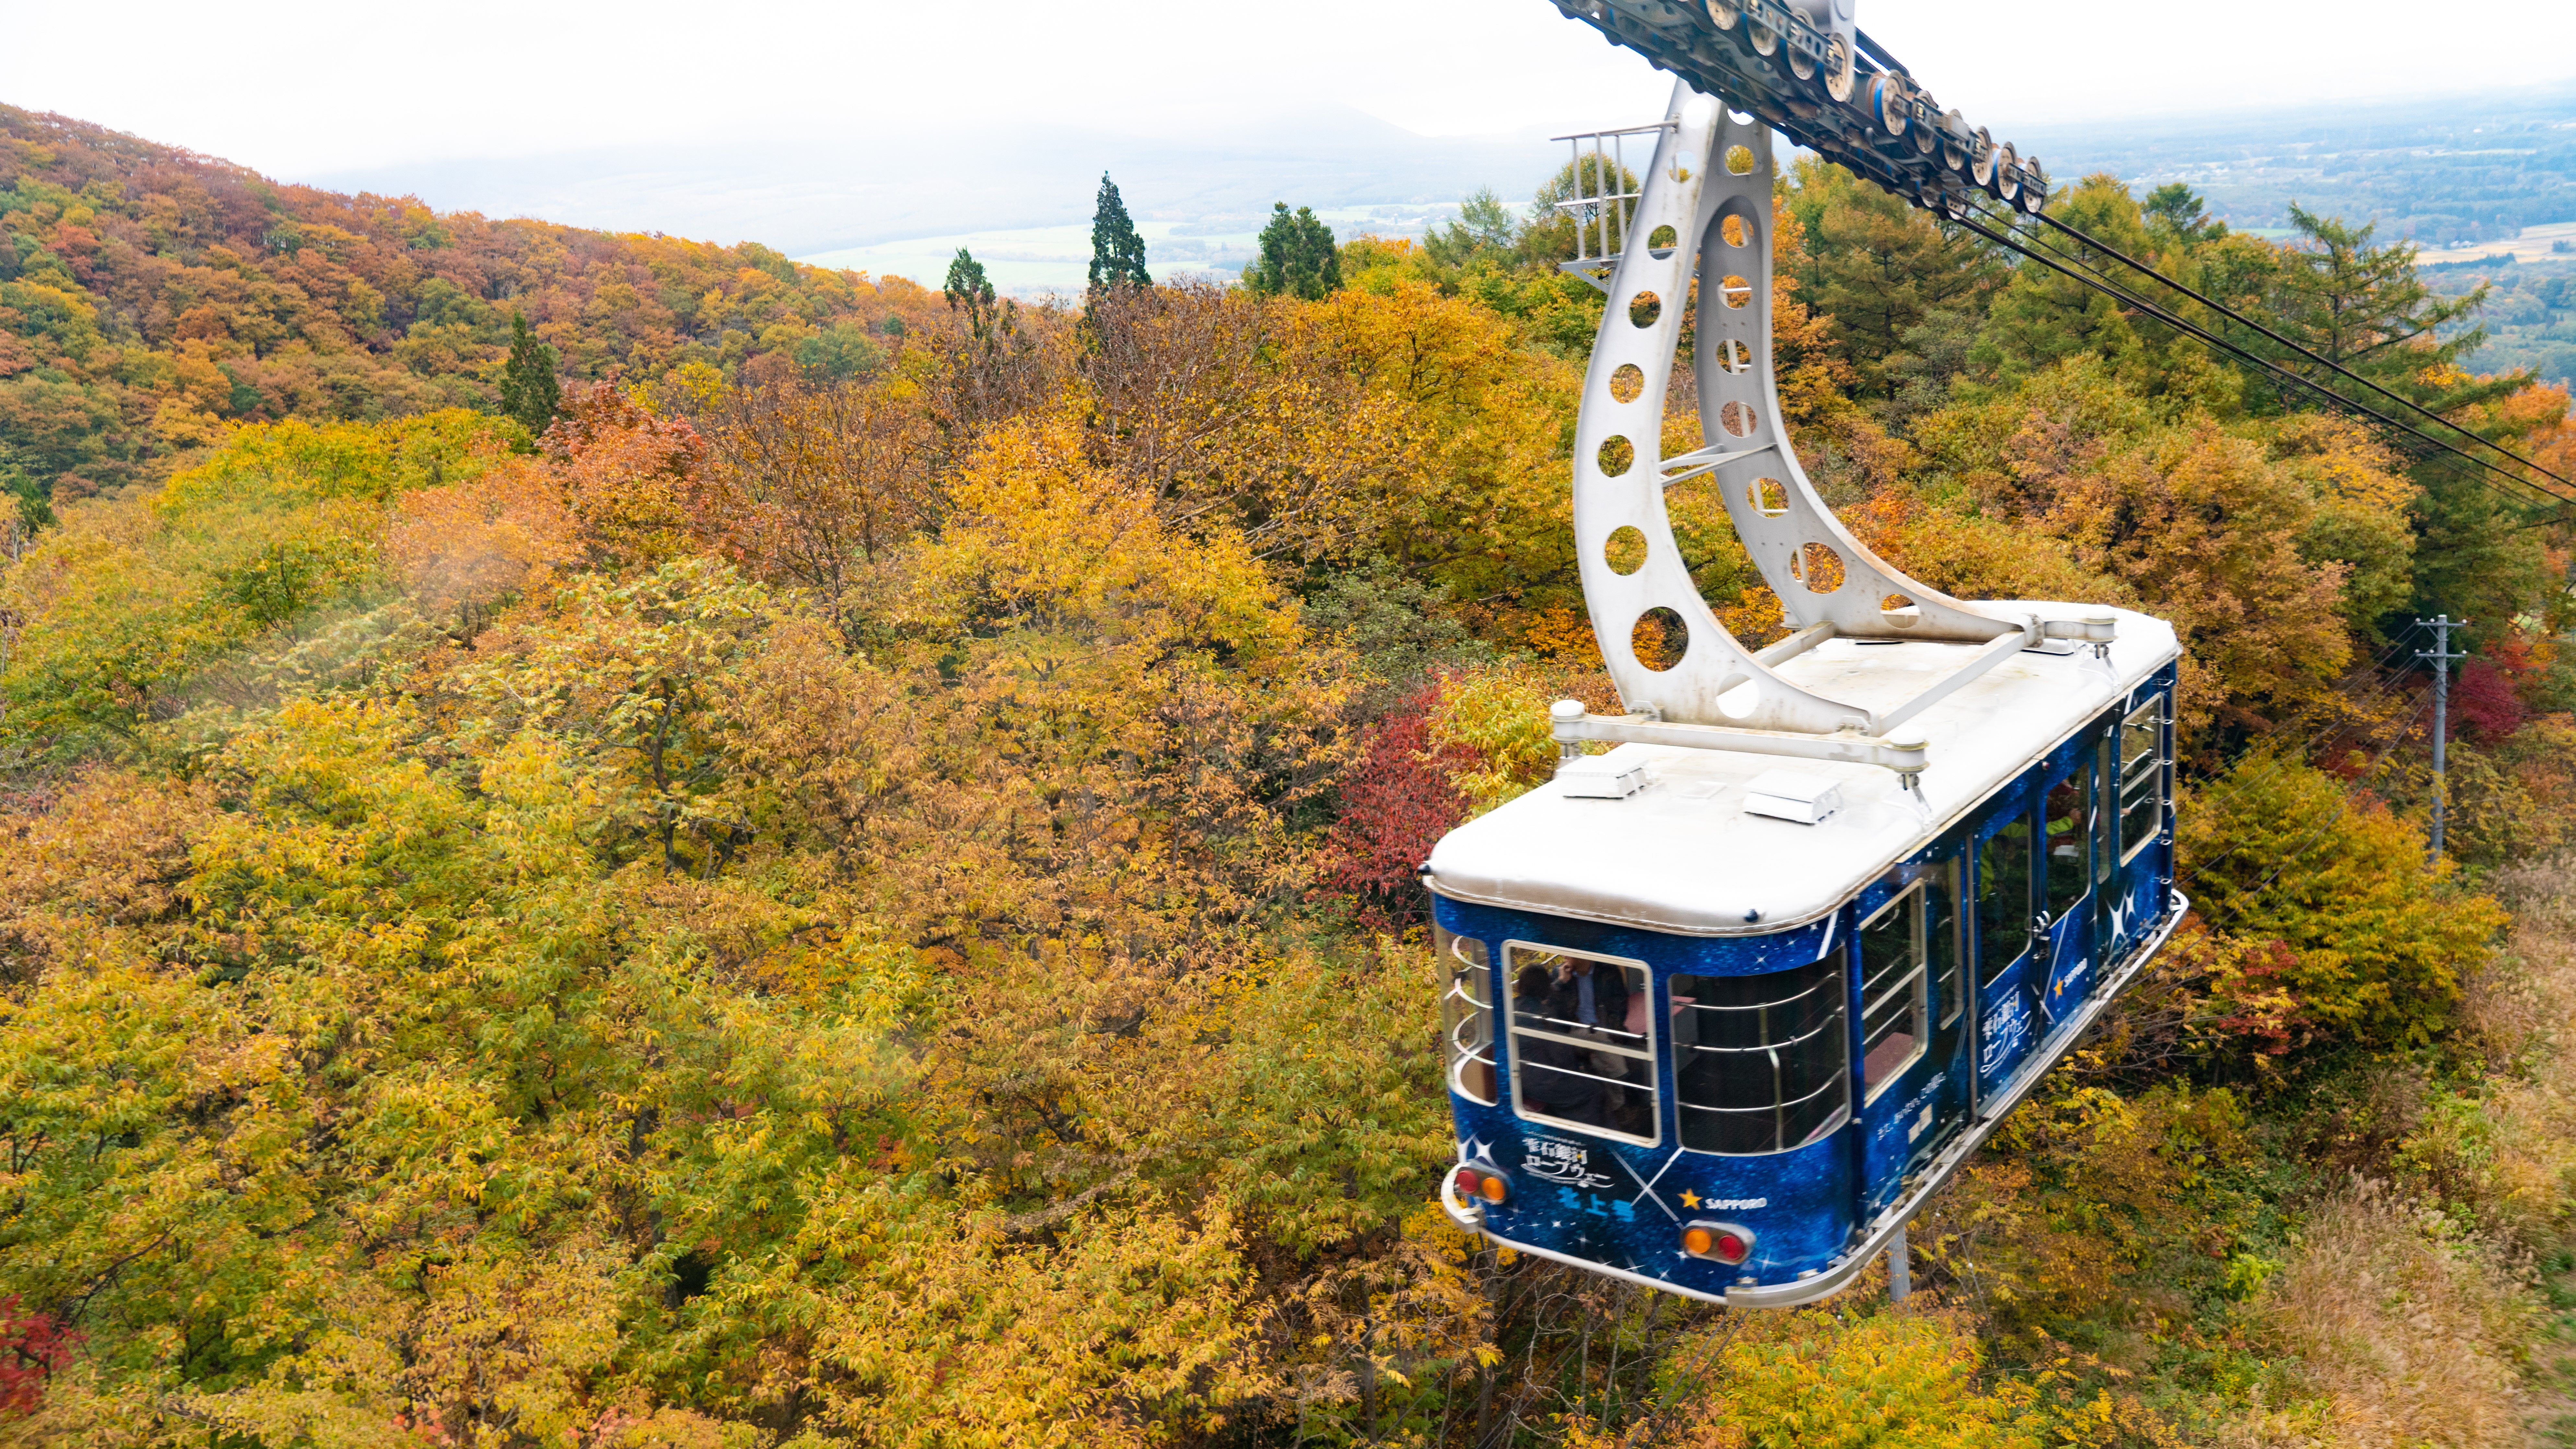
(1117, 251)
(968, 287)
(529, 391)
(1298, 256)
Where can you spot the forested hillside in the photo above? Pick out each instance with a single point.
(150, 297)
(825, 863)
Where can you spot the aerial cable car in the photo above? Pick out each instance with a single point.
(1724, 1005)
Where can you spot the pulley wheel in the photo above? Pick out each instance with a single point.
(1723, 14)
(1954, 141)
(1981, 157)
(1887, 98)
(1925, 127)
(2007, 168)
(1838, 66)
(1766, 41)
(1802, 62)
(2034, 186)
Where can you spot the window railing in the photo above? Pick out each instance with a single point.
(1466, 1013)
(2142, 776)
(1896, 1013)
(1761, 1063)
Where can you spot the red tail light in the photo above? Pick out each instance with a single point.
(1718, 1242)
(1482, 1182)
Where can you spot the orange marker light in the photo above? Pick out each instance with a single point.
(1493, 1189)
(1698, 1242)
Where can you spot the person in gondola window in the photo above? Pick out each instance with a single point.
(1594, 998)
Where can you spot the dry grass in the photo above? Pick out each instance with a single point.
(2398, 1330)
(2515, 1160)
(2412, 1336)
(2521, 1009)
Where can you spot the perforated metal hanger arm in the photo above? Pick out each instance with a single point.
(1822, 574)
(1623, 404)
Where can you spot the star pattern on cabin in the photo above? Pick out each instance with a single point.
(1689, 1199)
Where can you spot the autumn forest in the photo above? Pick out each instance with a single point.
(614, 841)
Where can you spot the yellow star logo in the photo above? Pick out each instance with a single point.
(1690, 1199)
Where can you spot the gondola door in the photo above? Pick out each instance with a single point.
(1912, 1090)
(2069, 845)
(2006, 867)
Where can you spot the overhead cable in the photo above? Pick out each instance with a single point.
(1974, 221)
(2223, 309)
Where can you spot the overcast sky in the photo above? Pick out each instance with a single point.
(310, 88)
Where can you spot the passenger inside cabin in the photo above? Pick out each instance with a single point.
(1543, 1089)
(1583, 999)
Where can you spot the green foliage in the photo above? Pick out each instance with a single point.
(838, 353)
(967, 286)
(1884, 270)
(34, 506)
(1298, 258)
(529, 391)
(2382, 939)
(1117, 250)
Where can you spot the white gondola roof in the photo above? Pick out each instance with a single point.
(1683, 855)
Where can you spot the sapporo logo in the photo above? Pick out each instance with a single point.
(1564, 1162)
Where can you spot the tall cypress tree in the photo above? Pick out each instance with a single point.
(529, 391)
(1117, 252)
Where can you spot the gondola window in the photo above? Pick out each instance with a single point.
(1466, 1013)
(2004, 897)
(1582, 1037)
(2070, 832)
(1942, 936)
(2142, 776)
(1895, 982)
(1761, 1063)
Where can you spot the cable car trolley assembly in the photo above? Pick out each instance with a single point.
(1723, 1005)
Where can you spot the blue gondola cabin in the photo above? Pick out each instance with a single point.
(1718, 1022)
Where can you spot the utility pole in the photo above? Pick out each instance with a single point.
(2441, 655)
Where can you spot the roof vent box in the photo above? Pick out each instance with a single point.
(1788, 795)
(1614, 776)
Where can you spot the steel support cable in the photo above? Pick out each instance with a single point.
(2224, 310)
(1974, 221)
(2112, 289)
(2103, 284)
